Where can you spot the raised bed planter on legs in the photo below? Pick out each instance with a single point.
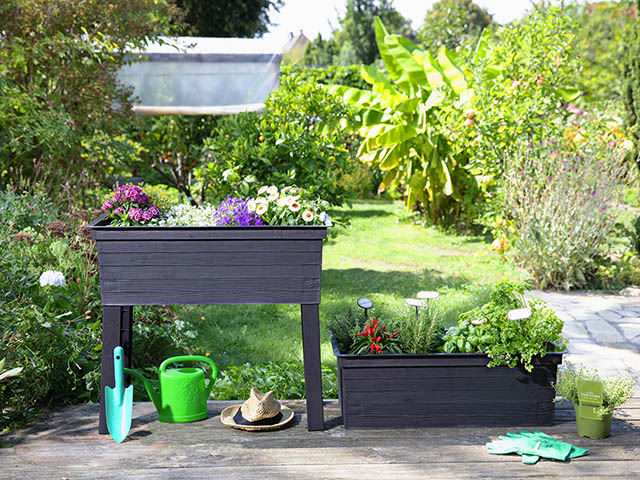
(210, 265)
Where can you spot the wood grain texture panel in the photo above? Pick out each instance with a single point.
(209, 246)
(239, 259)
(196, 272)
(214, 291)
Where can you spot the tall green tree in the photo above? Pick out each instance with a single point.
(357, 25)
(601, 39)
(632, 85)
(228, 18)
(355, 41)
(453, 22)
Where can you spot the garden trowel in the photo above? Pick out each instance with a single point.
(118, 400)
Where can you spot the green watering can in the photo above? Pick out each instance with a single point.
(183, 394)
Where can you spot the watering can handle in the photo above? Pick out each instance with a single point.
(193, 358)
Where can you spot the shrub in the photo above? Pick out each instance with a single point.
(285, 379)
(59, 63)
(560, 199)
(348, 75)
(279, 147)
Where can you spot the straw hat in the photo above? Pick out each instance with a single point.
(259, 412)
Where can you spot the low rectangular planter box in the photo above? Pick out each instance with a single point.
(443, 390)
(150, 265)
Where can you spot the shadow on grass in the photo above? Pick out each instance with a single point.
(356, 282)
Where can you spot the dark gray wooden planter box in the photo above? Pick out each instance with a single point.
(443, 390)
(211, 265)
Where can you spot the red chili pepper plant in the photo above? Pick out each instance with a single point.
(376, 339)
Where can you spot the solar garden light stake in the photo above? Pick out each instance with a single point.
(365, 304)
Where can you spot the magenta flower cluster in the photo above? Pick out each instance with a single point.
(130, 205)
(235, 211)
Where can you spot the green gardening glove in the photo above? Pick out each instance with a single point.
(541, 447)
(573, 453)
(522, 446)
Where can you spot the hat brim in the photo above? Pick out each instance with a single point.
(226, 417)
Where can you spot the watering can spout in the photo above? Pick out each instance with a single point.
(153, 395)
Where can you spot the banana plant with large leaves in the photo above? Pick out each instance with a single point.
(402, 123)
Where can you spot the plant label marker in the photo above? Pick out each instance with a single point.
(416, 303)
(365, 304)
(589, 399)
(428, 295)
(519, 314)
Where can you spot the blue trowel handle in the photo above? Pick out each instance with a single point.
(118, 367)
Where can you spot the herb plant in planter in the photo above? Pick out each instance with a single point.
(266, 250)
(593, 422)
(446, 382)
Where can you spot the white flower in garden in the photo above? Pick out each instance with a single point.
(291, 199)
(262, 200)
(251, 205)
(307, 216)
(261, 208)
(627, 145)
(294, 207)
(53, 278)
(262, 190)
(273, 196)
(323, 216)
(272, 189)
(282, 201)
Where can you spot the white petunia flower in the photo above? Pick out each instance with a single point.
(282, 201)
(323, 216)
(307, 216)
(53, 278)
(261, 208)
(260, 200)
(251, 205)
(273, 196)
(262, 189)
(272, 189)
(294, 207)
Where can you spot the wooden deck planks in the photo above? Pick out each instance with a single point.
(67, 445)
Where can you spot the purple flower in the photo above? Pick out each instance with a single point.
(235, 211)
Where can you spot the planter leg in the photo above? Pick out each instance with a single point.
(312, 365)
(116, 330)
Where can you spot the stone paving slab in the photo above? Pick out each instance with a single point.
(603, 331)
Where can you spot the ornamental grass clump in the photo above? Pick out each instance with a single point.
(561, 200)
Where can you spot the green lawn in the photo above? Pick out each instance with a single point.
(381, 255)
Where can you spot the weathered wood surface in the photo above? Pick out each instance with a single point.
(67, 445)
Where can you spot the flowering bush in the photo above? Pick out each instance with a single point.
(376, 339)
(288, 206)
(53, 278)
(130, 205)
(560, 199)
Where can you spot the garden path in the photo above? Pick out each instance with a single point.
(603, 330)
(67, 445)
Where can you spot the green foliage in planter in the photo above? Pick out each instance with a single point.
(285, 379)
(616, 390)
(345, 328)
(421, 334)
(487, 329)
(279, 147)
